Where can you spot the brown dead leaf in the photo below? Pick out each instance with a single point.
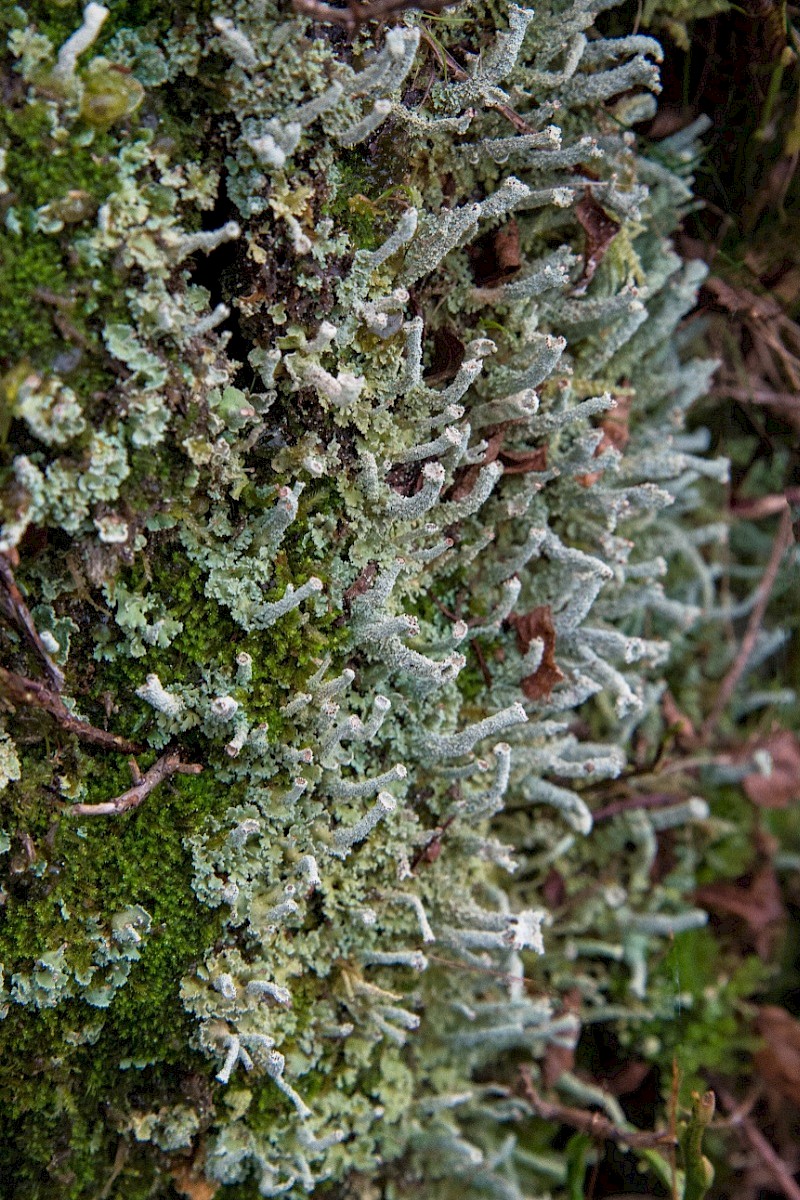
(495, 257)
(685, 734)
(628, 1078)
(600, 229)
(506, 249)
(615, 426)
(778, 1061)
(447, 357)
(515, 462)
(755, 900)
(193, 1187)
(520, 462)
(362, 584)
(466, 477)
(616, 433)
(554, 889)
(782, 786)
(538, 623)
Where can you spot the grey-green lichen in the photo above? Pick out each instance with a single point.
(262, 520)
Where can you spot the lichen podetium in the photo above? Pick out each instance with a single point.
(341, 454)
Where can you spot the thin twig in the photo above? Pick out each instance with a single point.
(770, 1158)
(32, 694)
(13, 606)
(169, 764)
(783, 539)
(632, 803)
(747, 395)
(765, 506)
(519, 123)
(593, 1123)
(353, 15)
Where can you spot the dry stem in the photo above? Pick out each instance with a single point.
(770, 1158)
(782, 541)
(168, 764)
(13, 606)
(519, 123)
(17, 689)
(355, 14)
(593, 1123)
(632, 803)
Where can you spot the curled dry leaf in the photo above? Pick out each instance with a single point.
(538, 623)
(781, 786)
(361, 584)
(496, 256)
(446, 357)
(756, 901)
(778, 1060)
(520, 462)
(616, 433)
(600, 229)
(515, 462)
(191, 1186)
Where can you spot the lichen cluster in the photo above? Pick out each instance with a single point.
(343, 456)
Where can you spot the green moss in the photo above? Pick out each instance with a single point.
(97, 868)
(58, 19)
(364, 187)
(42, 282)
(282, 659)
(709, 1028)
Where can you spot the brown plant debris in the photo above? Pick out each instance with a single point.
(635, 803)
(593, 1123)
(447, 357)
(775, 1165)
(15, 610)
(600, 230)
(615, 433)
(495, 257)
(169, 764)
(756, 901)
(515, 462)
(783, 539)
(778, 1060)
(538, 623)
(17, 690)
(768, 374)
(781, 787)
(356, 12)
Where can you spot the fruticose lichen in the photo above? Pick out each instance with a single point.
(345, 457)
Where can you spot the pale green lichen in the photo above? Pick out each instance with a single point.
(9, 762)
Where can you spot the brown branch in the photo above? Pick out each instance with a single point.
(593, 1123)
(14, 608)
(769, 1157)
(169, 764)
(764, 506)
(30, 693)
(781, 543)
(632, 803)
(755, 395)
